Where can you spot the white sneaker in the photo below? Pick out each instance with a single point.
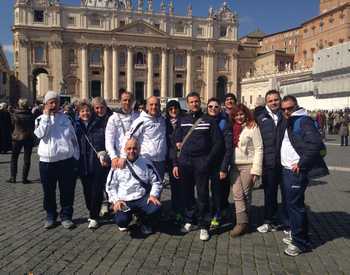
(266, 228)
(287, 232)
(187, 227)
(93, 224)
(287, 240)
(146, 230)
(122, 229)
(204, 235)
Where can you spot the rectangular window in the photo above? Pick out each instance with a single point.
(180, 27)
(121, 23)
(95, 57)
(4, 78)
(38, 16)
(95, 22)
(72, 56)
(39, 55)
(71, 20)
(180, 60)
(251, 99)
(223, 30)
(200, 31)
(157, 26)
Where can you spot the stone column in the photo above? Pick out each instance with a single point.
(23, 69)
(56, 53)
(234, 73)
(164, 74)
(130, 71)
(171, 74)
(210, 75)
(84, 73)
(106, 70)
(149, 73)
(189, 73)
(115, 74)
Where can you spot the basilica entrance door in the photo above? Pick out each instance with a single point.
(95, 90)
(139, 91)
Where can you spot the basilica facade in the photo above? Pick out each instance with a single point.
(103, 46)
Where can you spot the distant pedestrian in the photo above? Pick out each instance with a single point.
(5, 129)
(58, 151)
(22, 137)
(344, 132)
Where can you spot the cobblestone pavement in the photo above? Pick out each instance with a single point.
(26, 248)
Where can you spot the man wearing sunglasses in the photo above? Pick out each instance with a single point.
(301, 159)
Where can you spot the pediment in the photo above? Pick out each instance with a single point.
(140, 28)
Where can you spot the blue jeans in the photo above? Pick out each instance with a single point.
(146, 212)
(63, 173)
(294, 187)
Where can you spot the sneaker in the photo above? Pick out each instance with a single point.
(122, 229)
(68, 224)
(266, 228)
(292, 250)
(204, 235)
(49, 224)
(215, 223)
(146, 230)
(287, 240)
(287, 232)
(93, 224)
(187, 227)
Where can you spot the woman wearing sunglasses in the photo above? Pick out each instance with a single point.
(220, 186)
(248, 146)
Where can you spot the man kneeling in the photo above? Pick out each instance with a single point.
(134, 189)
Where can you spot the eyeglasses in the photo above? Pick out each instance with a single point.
(213, 106)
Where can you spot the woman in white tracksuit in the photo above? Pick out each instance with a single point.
(58, 150)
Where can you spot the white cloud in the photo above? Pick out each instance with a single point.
(8, 49)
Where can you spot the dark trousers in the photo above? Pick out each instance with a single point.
(195, 173)
(16, 150)
(147, 212)
(270, 180)
(177, 194)
(220, 191)
(294, 186)
(62, 172)
(160, 167)
(344, 140)
(93, 187)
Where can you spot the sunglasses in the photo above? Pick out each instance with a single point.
(213, 106)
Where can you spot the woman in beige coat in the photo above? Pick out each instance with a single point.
(248, 148)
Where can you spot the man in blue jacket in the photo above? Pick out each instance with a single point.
(272, 128)
(199, 142)
(301, 158)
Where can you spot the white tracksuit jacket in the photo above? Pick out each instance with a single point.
(122, 185)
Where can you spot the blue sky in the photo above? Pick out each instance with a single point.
(268, 15)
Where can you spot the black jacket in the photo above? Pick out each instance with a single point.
(205, 141)
(308, 143)
(95, 132)
(23, 121)
(272, 136)
(225, 157)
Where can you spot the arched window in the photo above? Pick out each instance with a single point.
(140, 59)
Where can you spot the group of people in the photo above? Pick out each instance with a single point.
(123, 156)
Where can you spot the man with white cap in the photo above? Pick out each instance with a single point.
(58, 150)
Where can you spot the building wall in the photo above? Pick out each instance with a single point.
(5, 76)
(327, 5)
(67, 37)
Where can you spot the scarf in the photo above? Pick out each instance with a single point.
(237, 129)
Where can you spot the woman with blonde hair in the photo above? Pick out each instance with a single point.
(248, 148)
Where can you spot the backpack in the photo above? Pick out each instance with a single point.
(297, 130)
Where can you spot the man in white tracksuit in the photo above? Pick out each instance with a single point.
(118, 125)
(149, 129)
(134, 189)
(57, 150)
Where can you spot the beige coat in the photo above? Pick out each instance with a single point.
(250, 149)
